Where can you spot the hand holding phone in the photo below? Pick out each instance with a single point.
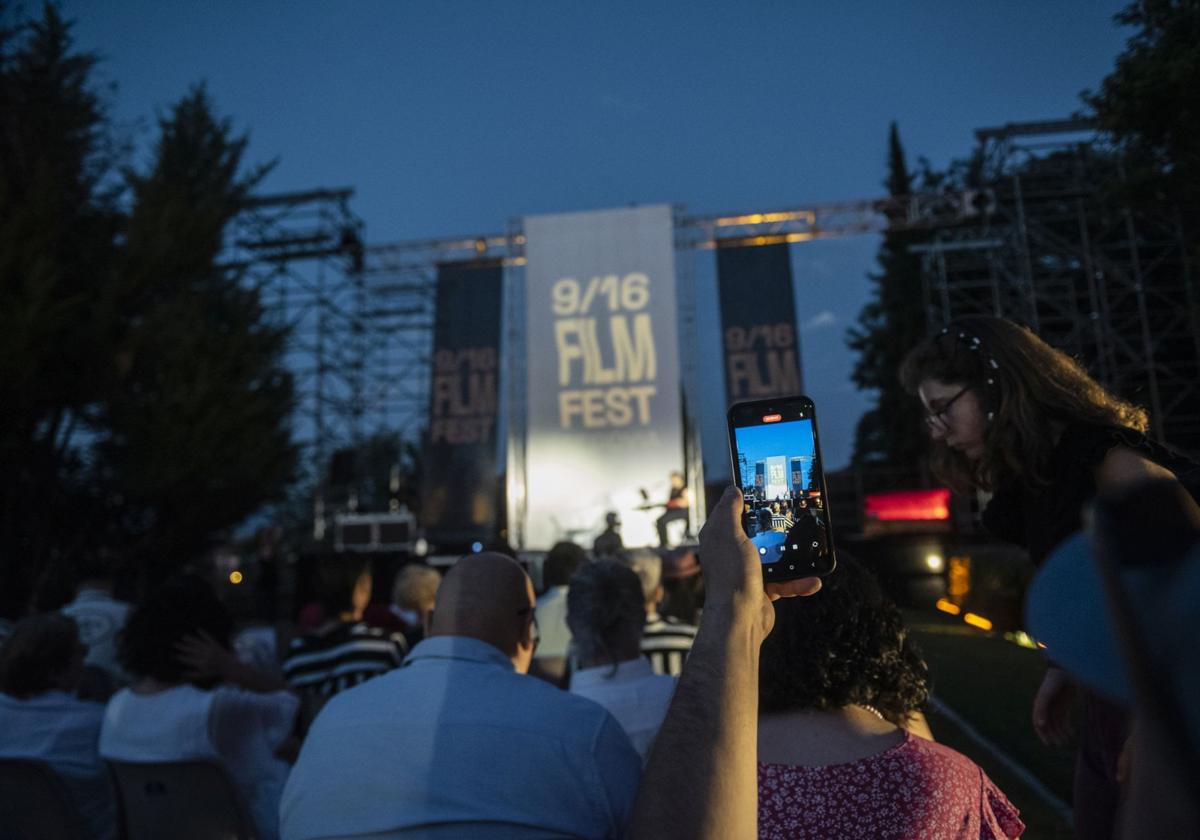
(777, 464)
(731, 567)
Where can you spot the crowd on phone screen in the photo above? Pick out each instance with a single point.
(470, 705)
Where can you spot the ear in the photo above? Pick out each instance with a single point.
(525, 639)
(659, 594)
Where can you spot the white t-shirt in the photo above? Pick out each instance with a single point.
(62, 730)
(553, 633)
(240, 728)
(100, 617)
(636, 696)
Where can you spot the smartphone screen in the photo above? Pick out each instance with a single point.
(777, 465)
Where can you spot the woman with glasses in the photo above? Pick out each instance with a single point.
(1010, 415)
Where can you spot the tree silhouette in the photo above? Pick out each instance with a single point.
(1147, 104)
(197, 429)
(890, 434)
(57, 228)
(144, 407)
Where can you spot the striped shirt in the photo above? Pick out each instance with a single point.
(341, 657)
(666, 642)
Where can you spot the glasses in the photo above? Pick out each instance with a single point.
(937, 419)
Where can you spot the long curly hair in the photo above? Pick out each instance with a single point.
(1032, 387)
(181, 606)
(844, 645)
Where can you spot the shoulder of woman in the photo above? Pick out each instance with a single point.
(1089, 443)
(1122, 466)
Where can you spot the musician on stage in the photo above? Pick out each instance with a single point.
(678, 507)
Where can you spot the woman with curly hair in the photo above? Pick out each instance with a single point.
(840, 689)
(192, 699)
(1011, 416)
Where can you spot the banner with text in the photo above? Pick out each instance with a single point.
(460, 484)
(604, 428)
(758, 321)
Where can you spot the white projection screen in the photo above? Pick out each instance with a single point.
(603, 422)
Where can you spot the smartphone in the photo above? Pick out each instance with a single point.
(777, 464)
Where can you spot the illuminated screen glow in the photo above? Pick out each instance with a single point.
(779, 475)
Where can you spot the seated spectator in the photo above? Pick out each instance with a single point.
(550, 659)
(683, 586)
(413, 595)
(343, 651)
(839, 685)
(459, 743)
(665, 640)
(191, 698)
(606, 616)
(41, 663)
(258, 646)
(100, 616)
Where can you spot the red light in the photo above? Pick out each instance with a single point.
(908, 505)
(772, 418)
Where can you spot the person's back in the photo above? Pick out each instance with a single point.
(240, 729)
(168, 714)
(343, 652)
(459, 742)
(550, 658)
(873, 781)
(41, 719)
(840, 688)
(665, 640)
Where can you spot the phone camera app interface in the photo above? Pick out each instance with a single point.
(785, 514)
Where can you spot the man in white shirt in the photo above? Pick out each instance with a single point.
(605, 613)
(100, 617)
(550, 658)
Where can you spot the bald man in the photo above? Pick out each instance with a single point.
(459, 742)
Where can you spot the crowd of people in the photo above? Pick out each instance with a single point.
(624, 698)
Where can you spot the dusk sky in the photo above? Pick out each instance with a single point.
(454, 118)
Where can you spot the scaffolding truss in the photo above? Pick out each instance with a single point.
(1051, 244)
(1043, 240)
(304, 254)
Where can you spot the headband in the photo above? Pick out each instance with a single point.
(973, 343)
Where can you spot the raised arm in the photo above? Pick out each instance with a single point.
(701, 780)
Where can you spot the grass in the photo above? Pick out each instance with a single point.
(991, 683)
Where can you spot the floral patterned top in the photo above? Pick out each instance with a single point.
(916, 790)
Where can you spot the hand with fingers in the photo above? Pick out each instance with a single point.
(203, 657)
(732, 569)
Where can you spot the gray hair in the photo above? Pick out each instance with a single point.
(605, 612)
(416, 587)
(647, 565)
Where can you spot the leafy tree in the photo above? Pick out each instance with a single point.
(1148, 100)
(197, 432)
(890, 434)
(144, 406)
(57, 224)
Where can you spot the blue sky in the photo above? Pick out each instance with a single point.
(453, 118)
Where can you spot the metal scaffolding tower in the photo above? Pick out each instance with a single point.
(304, 253)
(1046, 240)
(1042, 239)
